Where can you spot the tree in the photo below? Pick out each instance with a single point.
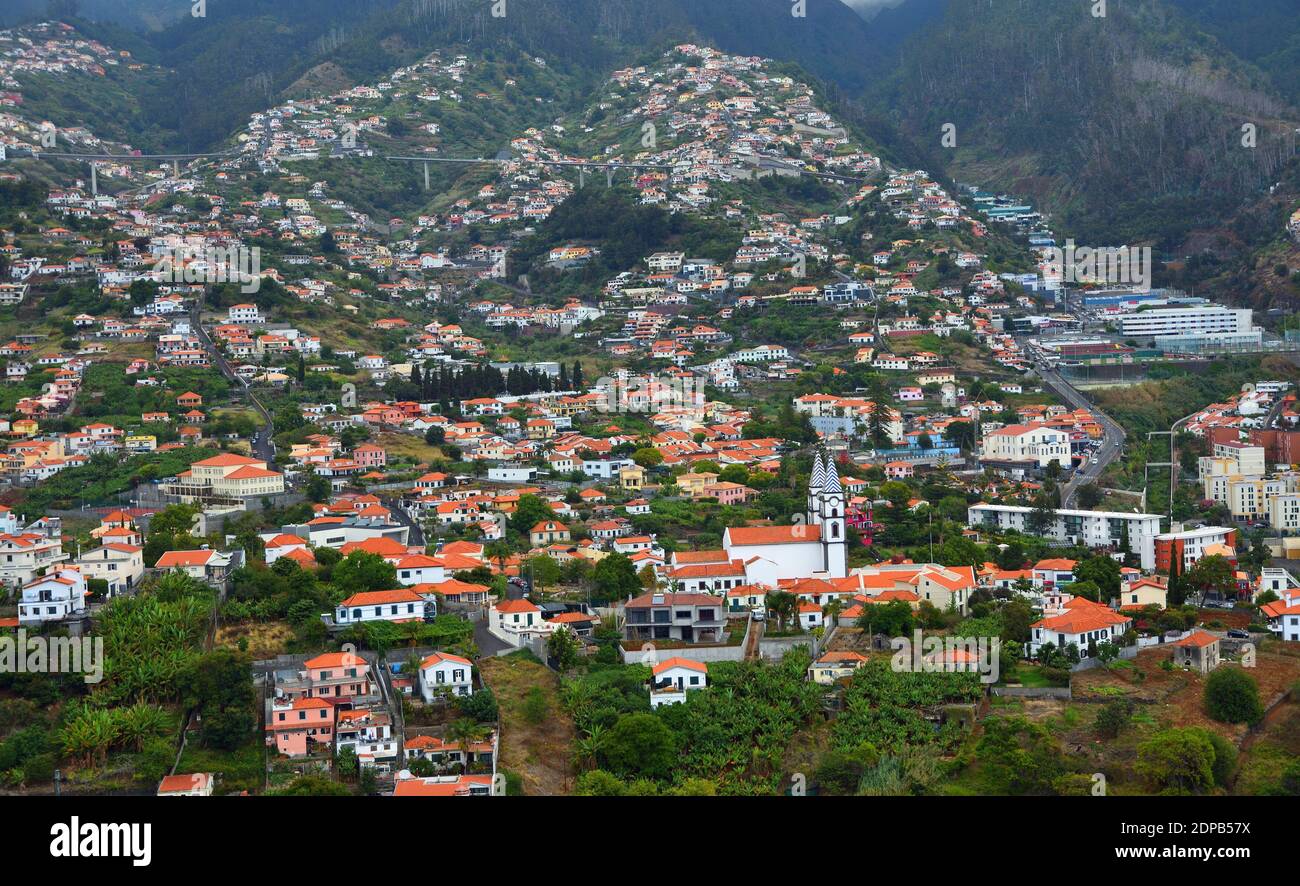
(1232, 696)
(614, 578)
(346, 763)
(640, 745)
(1104, 573)
(1042, 517)
(562, 646)
(958, 550)
(599, 783)
(219, 684)
(648, 457)
(1085, 589)
(897, 494)
(893, 619)
(1090, 495)
(362, 571)
(784, 605)
(1017, 615)
(481, 705)
(1114, 718)
(1178, 761)
(318, 488)
(287, 418)
(544, 570)
(463, 732)
(531, 510)
(1211, 575)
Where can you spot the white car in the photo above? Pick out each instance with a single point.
(758, 613)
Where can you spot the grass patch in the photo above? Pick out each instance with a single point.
(237, 770)
(540, 750)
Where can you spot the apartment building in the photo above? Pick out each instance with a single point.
(1096, 529)
(1212, 323)
(1185, 547)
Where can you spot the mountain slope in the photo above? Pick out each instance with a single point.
(244, 53)
(1263, 32)
(1137, 138)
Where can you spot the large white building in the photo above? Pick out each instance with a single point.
(1210, 323)
(1038, 444)
(1095, 529)
(816, 546)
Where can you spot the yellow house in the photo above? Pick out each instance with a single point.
(226, 476)
(1143, 593)
(834, 666)
(693, 484)
(140, 443)
(631, 477)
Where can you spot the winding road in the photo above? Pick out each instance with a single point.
(1112, 444)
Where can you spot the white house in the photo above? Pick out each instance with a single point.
(121, 565)
(1083, 623)
(674, 678)
(443, 673)
(59, 595)
(419, 569)
(396, 605)
(1034, 444)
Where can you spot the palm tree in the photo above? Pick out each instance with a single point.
(498, 551)
(141, 722)
(586, 751)
(462, 733)
(784, 605)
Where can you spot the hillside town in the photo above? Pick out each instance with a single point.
(507, 494)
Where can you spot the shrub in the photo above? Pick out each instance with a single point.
(1232, 696)
(1114, 718)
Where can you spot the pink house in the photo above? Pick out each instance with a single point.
(368, 455)
(899, 470)
(300, 726)
(333, 675)
(728, 493)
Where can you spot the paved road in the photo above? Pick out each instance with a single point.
(1112, 444)
(262, 445)
(416, 534)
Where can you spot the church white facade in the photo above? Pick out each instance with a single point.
(815, 546)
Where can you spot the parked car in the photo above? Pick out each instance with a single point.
(1239, 634)
(758, 613)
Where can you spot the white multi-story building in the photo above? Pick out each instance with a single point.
(1035, 443)
(58, 595)
(23, 554)
(1209, 324)
(1247, 459)
(1202, 320)
(1095, 529)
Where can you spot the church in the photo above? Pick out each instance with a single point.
(815, 546)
